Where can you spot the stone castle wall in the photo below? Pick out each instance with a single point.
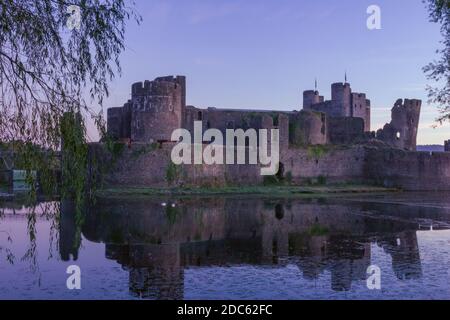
(147, 165)
(223, 119)
(408, 170)
(331, 164)
(356, 164)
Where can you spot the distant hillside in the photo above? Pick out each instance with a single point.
(431, 147)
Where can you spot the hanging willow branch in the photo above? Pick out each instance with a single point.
(439, 71)
(47, 71)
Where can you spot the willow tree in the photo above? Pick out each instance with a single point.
(57, 57)
(439, 70)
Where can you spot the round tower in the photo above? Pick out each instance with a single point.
(341, 97)
(310, 97)
(157, 108)
(309, 128)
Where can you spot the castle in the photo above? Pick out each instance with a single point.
(327, 141)
(158, 107)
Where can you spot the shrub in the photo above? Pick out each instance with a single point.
(321, 180)
(171, 173)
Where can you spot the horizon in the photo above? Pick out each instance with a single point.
(246, 55)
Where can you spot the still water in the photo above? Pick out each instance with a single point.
(229, 248)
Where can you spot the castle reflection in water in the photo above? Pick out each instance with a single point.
(156, 242)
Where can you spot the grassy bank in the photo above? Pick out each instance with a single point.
(276, 191)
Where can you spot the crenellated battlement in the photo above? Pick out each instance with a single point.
(158, 107)
(343, 103)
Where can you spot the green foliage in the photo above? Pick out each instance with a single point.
(439, 71)
(46, 71)
(171, 214)
(288, 177)
(317, 151)
(172, 173)
(145, 149)
(116, 236)
(115, 148)
(318, 230)
(274, 116)
(270, 180)
(321, 180)
(73, 158)
(296, 137)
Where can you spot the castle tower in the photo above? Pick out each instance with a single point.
(401, 132)
(157, 108)
(360, 108)
(367, 118)
(447, 146)
(406, 119)
(311, 97)
(341, 98)
(308, 128)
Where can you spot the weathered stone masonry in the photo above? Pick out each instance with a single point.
(381, 166)
(328, 139)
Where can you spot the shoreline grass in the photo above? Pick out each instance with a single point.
(272, 191)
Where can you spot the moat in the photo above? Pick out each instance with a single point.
(229, 247)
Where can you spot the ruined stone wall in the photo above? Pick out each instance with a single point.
(333, 164)
(119, 121)
(150, 165)
(144, 165)
(401, 132)
(223, 119)
(360, 108)
(330, 107)
(368, 118)
(114, 122)
(308, 128)
(345, 130)
(409, 170)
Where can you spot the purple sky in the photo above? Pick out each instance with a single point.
(263, 54)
